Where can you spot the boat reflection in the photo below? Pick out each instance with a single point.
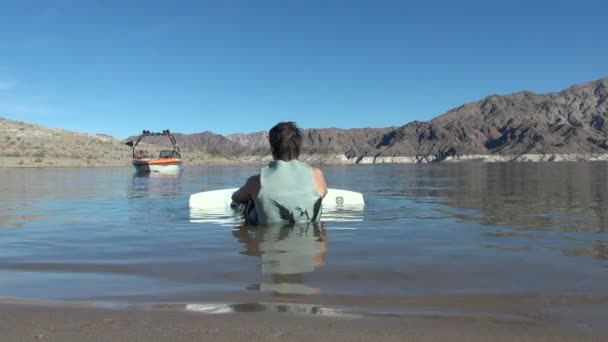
(166, 174)
(152, 198)
(287, 254)
(155, 184)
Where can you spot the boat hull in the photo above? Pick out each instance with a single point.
(157, 165)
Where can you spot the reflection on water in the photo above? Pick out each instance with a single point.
(292, 308)
(535, 199)
(231, 217)
(49, 197)
(529, 196)
(599, 250)
(343, 213)
(151, 197)
(524, 206)
(286, 253)
(226, 217)
(155, 184)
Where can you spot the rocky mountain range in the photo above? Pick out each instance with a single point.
(568, 125)
(571, 124)
(572, 121)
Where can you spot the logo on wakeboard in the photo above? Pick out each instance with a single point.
(339, 200)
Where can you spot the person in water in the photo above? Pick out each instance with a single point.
(287, 190)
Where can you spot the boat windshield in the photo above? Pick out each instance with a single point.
(166, 154)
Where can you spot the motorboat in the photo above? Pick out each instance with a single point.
(167, 161)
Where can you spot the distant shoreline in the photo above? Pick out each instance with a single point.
(336, 159)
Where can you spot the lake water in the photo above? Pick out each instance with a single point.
(107, 235)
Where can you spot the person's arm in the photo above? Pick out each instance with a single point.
(247, 192)
(319, 181)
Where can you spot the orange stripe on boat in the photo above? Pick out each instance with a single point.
(157, 161)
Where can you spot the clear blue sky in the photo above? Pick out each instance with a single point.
(118, 67)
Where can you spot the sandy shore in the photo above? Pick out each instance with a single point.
(30, 321)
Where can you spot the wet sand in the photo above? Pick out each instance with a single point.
(58, 321)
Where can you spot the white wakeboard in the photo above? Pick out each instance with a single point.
(223, 199)
(215, 206)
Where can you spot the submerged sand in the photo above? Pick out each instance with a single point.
(57, 321)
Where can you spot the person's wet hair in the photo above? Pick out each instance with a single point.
(285, 141)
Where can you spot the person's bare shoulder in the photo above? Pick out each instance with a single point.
(319, 181)
(316, 169)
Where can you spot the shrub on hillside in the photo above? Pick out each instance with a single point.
(39, 154)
